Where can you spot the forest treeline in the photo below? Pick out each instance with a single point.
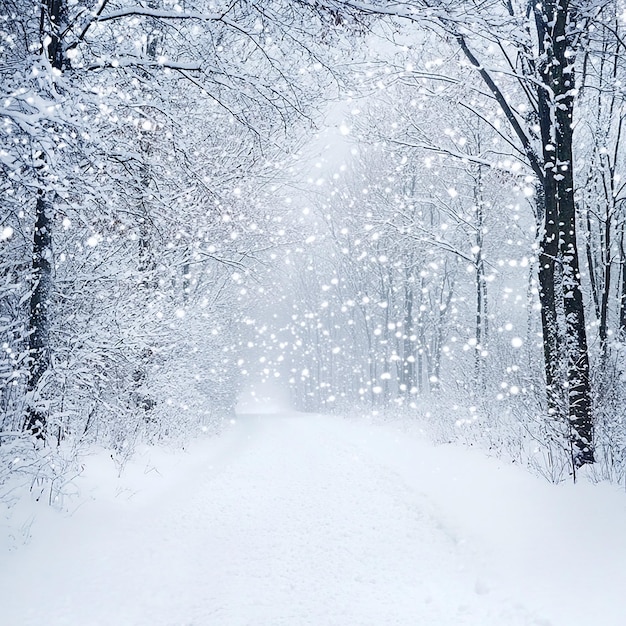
(468, 253)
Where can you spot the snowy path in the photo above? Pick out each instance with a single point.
(285, 521)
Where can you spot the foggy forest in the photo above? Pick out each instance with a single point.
(286, 234)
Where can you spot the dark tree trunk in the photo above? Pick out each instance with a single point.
(53, 16)
(39, 323)
(591, 263)
(552, 349)
(556, 104)
(622, 295)
(603, 329)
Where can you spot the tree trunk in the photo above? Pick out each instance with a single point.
(39, 323)
(556, 104)
(552, 349)
(622, 293)
(603, 329)
(53, 16)
(408, 356)
(481, 288)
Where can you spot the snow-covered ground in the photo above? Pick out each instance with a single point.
(308, 520)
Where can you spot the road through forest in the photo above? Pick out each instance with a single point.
(308, 520)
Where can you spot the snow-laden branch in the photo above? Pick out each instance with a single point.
(139, 62)
(138, 11)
